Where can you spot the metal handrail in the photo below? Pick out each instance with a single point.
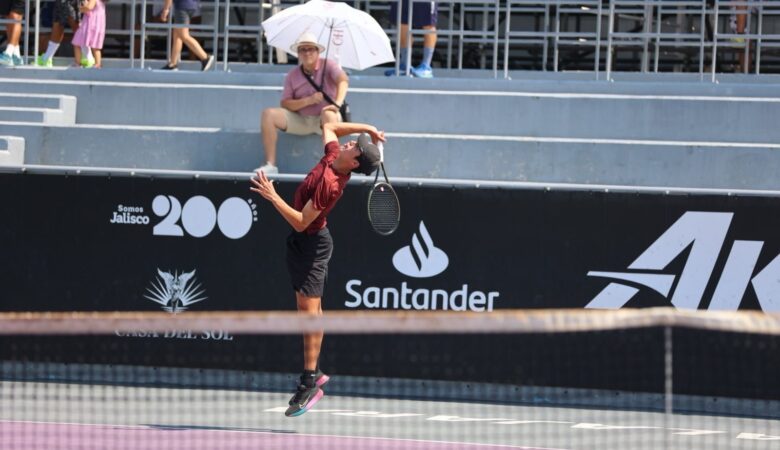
(25, 22)
(554, 30)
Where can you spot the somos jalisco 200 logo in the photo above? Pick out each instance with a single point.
(197, 217)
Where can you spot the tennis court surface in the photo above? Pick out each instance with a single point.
(570, 380)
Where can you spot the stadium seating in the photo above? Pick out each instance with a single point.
(641, 129)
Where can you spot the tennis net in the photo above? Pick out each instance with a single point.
(541, 379)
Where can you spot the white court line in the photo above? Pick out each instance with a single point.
(243, 430)
(389, 91)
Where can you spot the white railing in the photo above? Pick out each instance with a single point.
(587, 35)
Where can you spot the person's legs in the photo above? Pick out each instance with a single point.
(429, 44)
(98, 54)
(272, 120)
(192, 44)
(741, 22)
(55, 39)
(403, 41)
(426, 17)
(176, 46)
(77, 54)
(14, 30)
(312, 342)
(12, 56)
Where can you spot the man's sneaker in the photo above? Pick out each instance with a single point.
(6, 60)
(422, 71)
(268, 169)
(170, 66)
(207, 63)
(18, 61)
(40, 62)
(392, 72)
(87, 62)
(303, 400)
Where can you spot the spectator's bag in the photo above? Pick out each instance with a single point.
(346, 114)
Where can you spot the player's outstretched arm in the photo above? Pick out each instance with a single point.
(299, 220)
(334, 130)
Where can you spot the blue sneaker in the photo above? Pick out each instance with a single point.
(18, 61)
(393, 73)
(422, 71)
(6, 60)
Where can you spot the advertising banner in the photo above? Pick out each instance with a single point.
(84, 243)
(125, 243)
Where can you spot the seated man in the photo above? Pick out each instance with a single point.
(304, 109)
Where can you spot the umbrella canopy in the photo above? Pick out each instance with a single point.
(352, 37)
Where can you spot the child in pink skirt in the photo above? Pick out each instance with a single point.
(91, 32)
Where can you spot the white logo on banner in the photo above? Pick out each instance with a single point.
(421, 259)
(704, 233)
(176, 293)
(129, 215)
(198, 216)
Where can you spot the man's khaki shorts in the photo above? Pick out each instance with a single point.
(302, 125)
(299, 124)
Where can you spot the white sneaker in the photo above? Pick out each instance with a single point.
(268, 169)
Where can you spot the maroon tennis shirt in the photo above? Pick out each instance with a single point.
(323, 186)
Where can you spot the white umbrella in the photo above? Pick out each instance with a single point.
(352, 37)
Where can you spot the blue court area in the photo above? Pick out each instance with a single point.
(59, 416)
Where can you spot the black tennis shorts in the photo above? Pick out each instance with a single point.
(9, 6)
(307, 261)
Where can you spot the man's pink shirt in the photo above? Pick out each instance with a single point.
(296, 86)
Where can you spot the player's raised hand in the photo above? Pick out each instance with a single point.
(263, 186)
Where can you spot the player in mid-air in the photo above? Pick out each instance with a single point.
(309, 246)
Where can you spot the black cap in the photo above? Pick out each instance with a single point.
(369, 155)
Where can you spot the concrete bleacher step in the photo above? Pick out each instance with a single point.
(49, 109)
(137, 147)
(42, 115)
(551, 160)
(737, 113)
(11, 150)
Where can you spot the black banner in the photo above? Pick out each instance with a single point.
(74, 243)
(121, 243)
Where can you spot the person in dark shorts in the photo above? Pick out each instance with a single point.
(184, 11)
(424, 16)
(64, 12)
(310, 246)
(12, 10)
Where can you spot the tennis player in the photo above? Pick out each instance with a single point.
(309, 246)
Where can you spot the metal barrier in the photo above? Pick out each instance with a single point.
(25, 22)
(214, 28)
(643, 35)
(742, 41)
(243, 30)
(650, 13)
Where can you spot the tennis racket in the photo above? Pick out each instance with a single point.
(384, 211)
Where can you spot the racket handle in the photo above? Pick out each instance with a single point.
(381, 146)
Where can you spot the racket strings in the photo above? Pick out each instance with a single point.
(383, 209)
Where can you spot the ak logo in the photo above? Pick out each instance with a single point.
(422, 259)
(705, 233)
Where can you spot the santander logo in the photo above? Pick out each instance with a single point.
(422, 259)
